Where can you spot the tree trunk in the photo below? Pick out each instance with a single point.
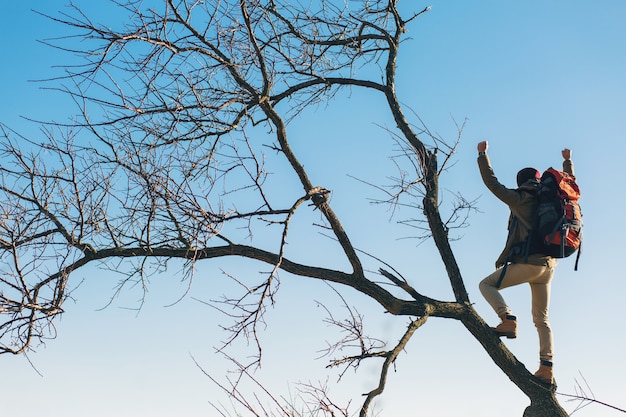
(545, 407)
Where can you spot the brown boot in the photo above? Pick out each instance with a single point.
(545, 373)
(508, 327)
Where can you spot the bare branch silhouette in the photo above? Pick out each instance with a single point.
(182, 152)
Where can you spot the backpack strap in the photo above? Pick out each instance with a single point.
(512, 225)
(580, 249)
(501, 277)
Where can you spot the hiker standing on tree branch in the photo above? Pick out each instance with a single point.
(515, 267)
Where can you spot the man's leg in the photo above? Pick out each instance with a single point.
(515, 274)
(540, 303)
(540, 290)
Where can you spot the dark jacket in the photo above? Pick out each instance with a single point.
(523, 203)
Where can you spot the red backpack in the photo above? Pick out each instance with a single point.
(558, 228)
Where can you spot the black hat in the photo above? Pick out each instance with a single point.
(527, 174)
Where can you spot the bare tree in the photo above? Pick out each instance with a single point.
(185, 111)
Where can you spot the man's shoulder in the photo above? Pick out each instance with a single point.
(530, 186)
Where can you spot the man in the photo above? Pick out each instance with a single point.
(515, 265)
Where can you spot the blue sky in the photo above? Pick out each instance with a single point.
(530, 77)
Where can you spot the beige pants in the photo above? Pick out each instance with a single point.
(539, 278)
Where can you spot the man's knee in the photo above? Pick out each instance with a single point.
(484, 286)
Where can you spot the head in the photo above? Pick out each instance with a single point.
(527, 174)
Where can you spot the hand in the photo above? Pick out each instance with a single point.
(482, 146)
(567, 154)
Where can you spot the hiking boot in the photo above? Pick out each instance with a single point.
(545, 373)
(508, 327)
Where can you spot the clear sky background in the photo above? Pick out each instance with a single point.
(531, 77)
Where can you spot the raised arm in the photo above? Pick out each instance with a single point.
(506, 195)
(568, 165)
